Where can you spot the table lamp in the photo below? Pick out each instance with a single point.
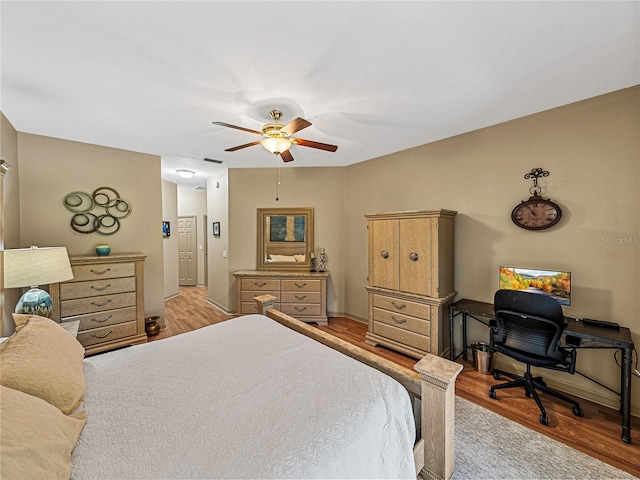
(30, 267)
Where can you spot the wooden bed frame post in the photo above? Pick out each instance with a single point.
(434, 386)
(438, 407)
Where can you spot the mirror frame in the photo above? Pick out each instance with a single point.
(262, 239)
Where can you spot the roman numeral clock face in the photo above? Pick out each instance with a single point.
(536, 214)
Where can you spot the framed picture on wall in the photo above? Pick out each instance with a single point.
(216, 229)
(166, 229)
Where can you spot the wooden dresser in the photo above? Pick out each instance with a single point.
(410, 282)
(106, 295)
(302, 295)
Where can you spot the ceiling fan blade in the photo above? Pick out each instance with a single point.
(233, 149)
(222, 124)
(286, 156)
(295, 125)
(312, 144)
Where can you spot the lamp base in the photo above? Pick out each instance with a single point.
(35, 302)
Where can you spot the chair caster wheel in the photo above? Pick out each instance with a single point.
(496, 375)
(578, 412)
(527, 393)
(544, 419)
(492, 394)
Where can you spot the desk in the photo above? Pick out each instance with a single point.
(576, 333)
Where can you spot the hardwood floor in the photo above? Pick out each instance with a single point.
(596, 434)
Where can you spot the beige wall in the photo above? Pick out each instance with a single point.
(10, 236)
(51, 168)
(219, 279)
(170, 243)
(591, 150)
(320, 188)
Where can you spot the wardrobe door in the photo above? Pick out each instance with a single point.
(383, 253)
(414, 254)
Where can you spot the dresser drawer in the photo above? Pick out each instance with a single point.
(247, 308)
(301, 297)
(301, 285)
(107, 334)
(80, 306)
(404, 322)
(402, 306)
(295, 309)
(103, 319)
(97, 287)
(102, 271)
(260, 284)
(399, 335)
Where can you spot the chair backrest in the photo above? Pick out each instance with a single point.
(529, 322)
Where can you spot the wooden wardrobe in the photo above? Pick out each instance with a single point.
(410, 280)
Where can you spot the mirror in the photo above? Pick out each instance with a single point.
(285, 238)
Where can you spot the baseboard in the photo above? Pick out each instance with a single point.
(220, 307)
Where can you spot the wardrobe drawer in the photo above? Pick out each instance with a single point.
(399, 335)
(247, 308)
(80, 306)
(102, 271)
(103, 319)
(404, 322)
(260, 284)
(97, 287)
(301, 285)
(295, 309)
(301, 297)
(402, 306)
(107, 334)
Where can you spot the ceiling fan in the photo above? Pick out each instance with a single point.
(277, 137)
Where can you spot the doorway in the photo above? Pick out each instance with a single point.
(187, 251)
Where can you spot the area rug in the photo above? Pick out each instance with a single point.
(488, 446)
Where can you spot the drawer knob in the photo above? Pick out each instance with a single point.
(398, 320)
(259, 285)
(108, 300)
(100, 289)
(384, 254)
(413, 256)
(94, 319)
(106, 334)
(100, 272)
(300, 297)
(399, 306)
(300, 285)
(300, 309)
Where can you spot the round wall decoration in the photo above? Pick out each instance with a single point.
(99, 212)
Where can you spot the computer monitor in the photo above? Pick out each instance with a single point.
(553, 283)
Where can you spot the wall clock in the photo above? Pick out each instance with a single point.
(536, 213)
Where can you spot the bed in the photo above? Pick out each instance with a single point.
(253, 398)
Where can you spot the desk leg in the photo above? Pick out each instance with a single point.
(464, 335)
(452, 354)
(625, 394)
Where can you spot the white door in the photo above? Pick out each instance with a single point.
(188, 256)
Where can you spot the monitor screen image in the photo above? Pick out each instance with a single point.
(553, 283)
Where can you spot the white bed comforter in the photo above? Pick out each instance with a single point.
(246, 398)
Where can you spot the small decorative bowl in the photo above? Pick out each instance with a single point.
(103, 249)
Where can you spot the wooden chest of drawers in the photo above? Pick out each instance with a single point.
(106, 296)
(302, 295)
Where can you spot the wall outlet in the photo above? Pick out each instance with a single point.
(224, 254)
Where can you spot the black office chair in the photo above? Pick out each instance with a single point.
(528, 329)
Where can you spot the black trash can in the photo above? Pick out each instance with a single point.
(482, 358)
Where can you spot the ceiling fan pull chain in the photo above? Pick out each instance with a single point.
(278, 182)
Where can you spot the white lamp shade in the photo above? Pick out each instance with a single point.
(186, 173)
(276, 145)
(27, 267)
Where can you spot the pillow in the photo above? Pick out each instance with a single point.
(42, 359)
(36, 438)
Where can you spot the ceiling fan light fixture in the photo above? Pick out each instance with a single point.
(185, 173)
(276, 145)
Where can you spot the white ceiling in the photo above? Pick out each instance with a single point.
(373, 77)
